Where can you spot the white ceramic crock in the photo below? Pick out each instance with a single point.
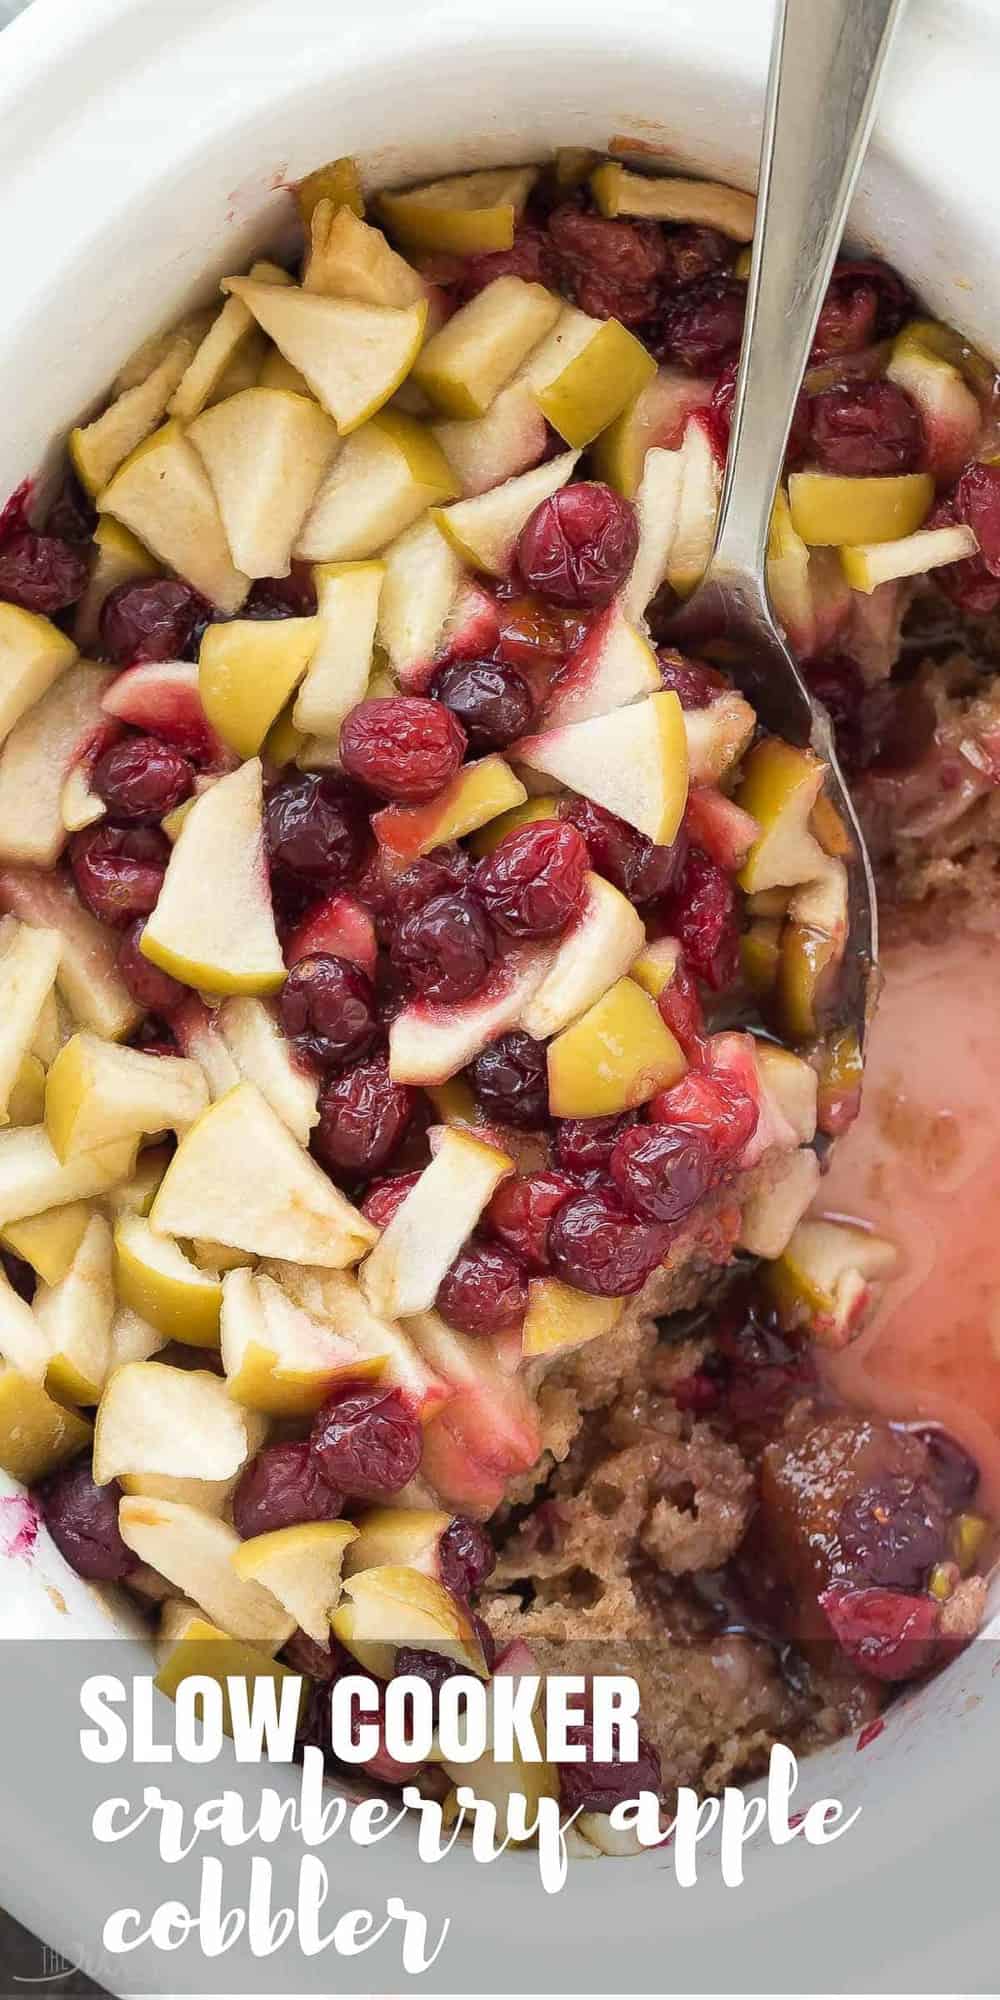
(143, 144)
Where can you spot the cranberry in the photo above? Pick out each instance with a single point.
(149, 987)
(521, 1210)
(584, 1143)
(694, 682)
(119, 870)
(536, 634)
(529, 258)
(367, 1442)
(598, 1246)
(363, 1115)
(328, 1010)
(316, 829)
(41, 573)
(867, 429)
(622, 854)
(893, 1533)
(593, 1787)
(977, 502)
(691, 253)
(701, 913)
(718, 419)
(316, 1662)
(420, 1663)
(447, 869)
(664, 1171)
(280, 1487)
(681, 1010)
(838, 683)
(534, 882)
(403, 746)
(142, 779)
(83, 1521)
(886, 1634)
(446, 947)
(578, 546)
(72, 516)
(485, 1291)
(511, 1080)
(291, 596)
(466, 1557)
(969, 584)
(865, 301)
(493, 702)
(20, 1275)
(611, 268)
(384, 1197)
(954, 1473)
(150, 621)
(701, 327)
(713, 1105)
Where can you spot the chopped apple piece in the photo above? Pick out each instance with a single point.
(78, 805)
(29, 962)
(340, 668)
(338, 182)
(199, 1647)
(868, 565)
(697, 509)
(301, 1567)
(407, 1536)
(421, 579)
(340, 925)
(33, 655)
(119, 559)
(779, 788)
(240, 1178)
(197, 1030)
(559, 1318)
(248, 668)
(195, 1553)
(277, 373)
(617, 1055)
(424, 1237)
(49, 1242)
(213, 925)
(806, 586)
(720, 827)
(827, 1276)
(348, 259)
(544, 805)
(488, 1430)
(463, 213)
(656, 965)
(709, 204)
(484, 530)
(132, 1338)
(209, 1496)
(74, 1317)
(26, 1103)
(772, 1214)
(135, 1196)
(23, 1345)
(478, 794)
(471, 358)
(431, 1040)
(390, 1606)
(32, 1179)
(279, 1357)
(38, 756)
(387, 475)
(585, 374)
(163, 494)
(37, 1434)
(595, 952)
(336, 1298)
(950, 415)
(633, 762)
(656, 417)
(175, 1422)
(265, 452)
(97, 1092)
(252, 1033)
(717, 737)
(793, 1084)
(98, 449)
(611, 667)
(353, 355)
(161, 697)
(154, 1277)
(830, 509)
(487, 450)
(658, 503)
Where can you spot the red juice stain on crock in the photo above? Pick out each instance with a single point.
(870, 1733)
(19, 1522)
(922, 1166)
(14, 514)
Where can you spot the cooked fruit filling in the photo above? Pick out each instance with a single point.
(423, 997)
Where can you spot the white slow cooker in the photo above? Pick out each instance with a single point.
(143, 144)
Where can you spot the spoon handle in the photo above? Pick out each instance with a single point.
(827, 58)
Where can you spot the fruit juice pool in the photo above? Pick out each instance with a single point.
(922, 1166)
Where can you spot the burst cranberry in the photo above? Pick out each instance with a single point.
(150, 621)
(466, 1557)
(384, 1197)
(437, 874)
(977, 502)
(403, 747)
(681, 1010)
(14, 512)
(584, 1143)
(291, 596)
(521, 1210)
(533, 883)
(536, 634)
(701, 913)
(718, 419)
(892, 1533)
(72, 516)
(149, 987)
(886, 1634)
(328, 1010)
(142, 779)
(664, 1171)
(366, 1441)
(316, 829)
(701, 328)
(598, 1246)
(865, 301)
(954, 1473)
(280, 1487)
(493, 702)
(866, 429)
(529, 257)
(485, 1291)
(119, 870)
(511, 1080)
(446, 948)
(83, 1521)
(363, 1116)
(622, 854)
(715, 1105)
(578, 546)
(592, 1787)
(694, 682)
(41, 573)
(611, 268)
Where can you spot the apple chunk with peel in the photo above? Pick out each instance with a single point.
(348, 259)
(33, 1179)
(867, 565)
(340, 664)
(697, 508)
(213, 926)
(409, 1536)
(133, 1339)
(74, 1317)
(248, 668)
(353, 355)
(301, 1567)
(23, 1344)
(487, 1432)
(384, 479)
(278, 1357)
(585, 373)
(656, 417)
(97, 1092)
(154, 1277)
(467, 362)
(717, 736)
(99, 448)
(421, 579)
(340, 925)
(229, 341)
(829, 509)
(163, 494)
(793, 1086)
(484, 530)
(239, 1178)
(559, 1318)
(119, 558)
(190, 1644)
(772, 1213)
(709, 204)
(424, 1236)
(265, 452)
(37, 1434)
(33, 655)
(720, 827)
(162, 698)
(510, 438)
(195, 1553)
(633, 762)
(617, 1055)
(28, 967)
(779, 788)
(173, 1422)
(251, 1032)
(431, 1040)
(827, 1276)
(613, 665)
(463, 213)
(64, 726)
(599, 949)
(336, 1299)
(477, 794)
(951, 417)
(657, 504)
(390, 1607)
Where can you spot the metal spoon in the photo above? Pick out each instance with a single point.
(827, 60)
